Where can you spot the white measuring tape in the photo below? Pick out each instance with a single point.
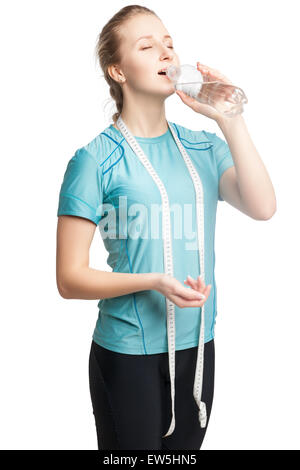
(168, 264)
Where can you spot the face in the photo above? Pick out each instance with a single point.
(141, 59)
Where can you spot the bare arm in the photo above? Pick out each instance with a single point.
(247, 185)
(76, 280)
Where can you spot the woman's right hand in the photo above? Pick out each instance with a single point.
(180, 295)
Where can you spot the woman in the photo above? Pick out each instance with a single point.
(143, 164)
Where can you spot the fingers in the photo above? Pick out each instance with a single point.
(207, 290)
(189, 280)
(213, 72)
(186, 297)
(199, 285)
(196, 284)
(183, 303)
(189, 294)
(185, 97)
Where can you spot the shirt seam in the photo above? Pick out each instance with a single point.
(190, 343)
(78, 199)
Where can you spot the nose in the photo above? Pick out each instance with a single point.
(167, 52)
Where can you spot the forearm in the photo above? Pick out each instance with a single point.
(255, 186)
(88, 283)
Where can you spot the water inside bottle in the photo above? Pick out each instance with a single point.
(227, 99)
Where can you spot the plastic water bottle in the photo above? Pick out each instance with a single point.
(225, 98)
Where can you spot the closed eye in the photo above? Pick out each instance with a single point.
(170, 47)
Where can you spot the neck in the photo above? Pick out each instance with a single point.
(146, 117)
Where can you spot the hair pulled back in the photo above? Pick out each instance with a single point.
(108, 49)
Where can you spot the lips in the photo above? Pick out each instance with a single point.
(162, 71)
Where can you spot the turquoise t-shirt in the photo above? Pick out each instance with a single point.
(106, 183)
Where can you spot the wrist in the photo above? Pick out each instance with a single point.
(154, 280)
(228, 122)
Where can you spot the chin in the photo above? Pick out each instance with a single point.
(167, 92)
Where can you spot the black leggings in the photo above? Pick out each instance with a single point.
(131, 398)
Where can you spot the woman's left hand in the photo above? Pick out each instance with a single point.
(202, 108)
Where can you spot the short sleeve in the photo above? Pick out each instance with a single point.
(222, 155)
(81, 189)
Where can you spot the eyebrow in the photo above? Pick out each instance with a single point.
(150, 36)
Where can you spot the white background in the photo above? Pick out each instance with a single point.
(52, 102)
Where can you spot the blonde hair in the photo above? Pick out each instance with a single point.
(108, 49)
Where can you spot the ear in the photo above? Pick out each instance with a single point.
(115, 73)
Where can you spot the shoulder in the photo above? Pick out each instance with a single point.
(196, 137)
(95, 152)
